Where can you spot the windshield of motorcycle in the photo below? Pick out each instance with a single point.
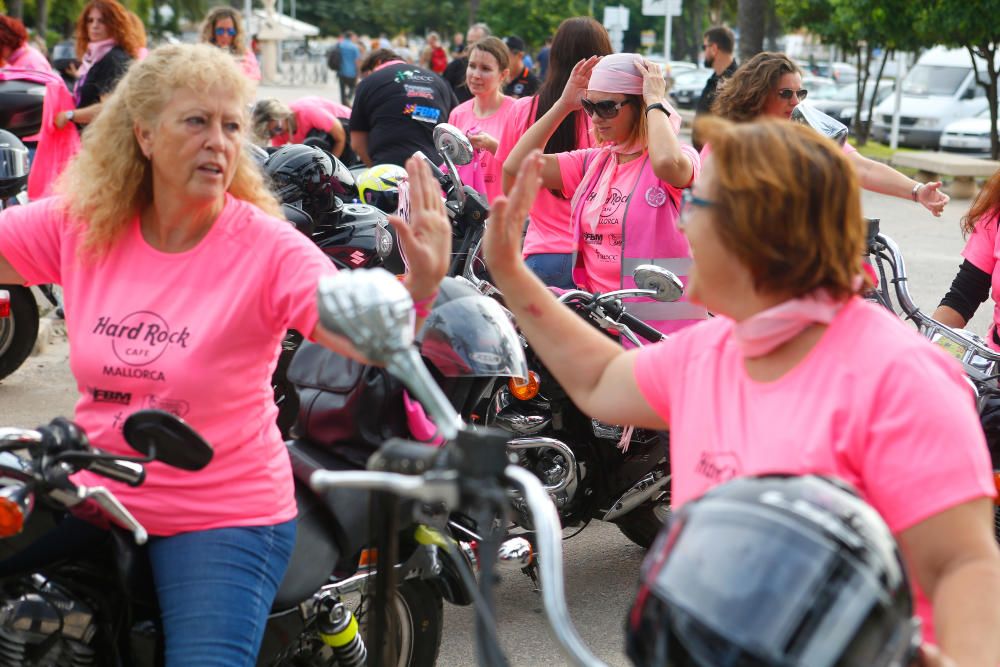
(472, 337)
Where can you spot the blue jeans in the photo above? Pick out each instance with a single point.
(215, 589)
(553, 268)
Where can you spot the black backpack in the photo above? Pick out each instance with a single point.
(333, 57)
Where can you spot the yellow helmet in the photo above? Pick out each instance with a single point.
(379, 186)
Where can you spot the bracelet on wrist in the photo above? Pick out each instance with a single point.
(915, 192)
(423, 307)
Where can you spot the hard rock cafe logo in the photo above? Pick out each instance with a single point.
(140, 338)
(611, 204)
(719, 466)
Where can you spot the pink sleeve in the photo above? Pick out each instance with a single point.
(980, 249)
(571, 166)
(656, 368)
(31, 239)
(297, 265)
(925, 452)
(695, 158)
(510, 131)
(249, 65)
(313, 117)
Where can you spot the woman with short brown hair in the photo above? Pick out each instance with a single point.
(796, 374)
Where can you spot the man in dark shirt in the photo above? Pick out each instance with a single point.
(454, 73)
(717, 44)
(523, 82)
(395, 110)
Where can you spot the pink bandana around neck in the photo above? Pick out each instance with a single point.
(592, 207)
(95, 51)
(769, 329)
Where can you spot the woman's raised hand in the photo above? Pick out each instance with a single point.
(426, 239)
(576, 85)
(654, 86)
(502, 241)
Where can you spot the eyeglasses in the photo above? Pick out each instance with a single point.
(276, 130)
(605, 109)
(225, 31)
(688, 202)
(786, 93)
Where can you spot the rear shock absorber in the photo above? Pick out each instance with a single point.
(338, 628)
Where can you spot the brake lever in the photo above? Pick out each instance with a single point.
(107, 501)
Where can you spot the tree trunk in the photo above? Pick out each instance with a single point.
(988, 52)
(42, 24)
(864, 57)
(15, 8)
(753, 16)
(866, 128)
(473, 10)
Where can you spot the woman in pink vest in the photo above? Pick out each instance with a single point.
(306, 117)
(770, 84)
(548, 242)
(797, 374)
(223, 27)
(482, 117)
(15, 50)
(626, 193)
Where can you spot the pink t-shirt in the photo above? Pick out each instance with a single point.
(982, 251)
(249, 65)
(194, 333)
(873, 404)
(603, 242)
(485, 168)
(549, 227)
(312, 113)
(28, 57)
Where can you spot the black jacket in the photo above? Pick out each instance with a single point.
(711, 88)
(102, 78)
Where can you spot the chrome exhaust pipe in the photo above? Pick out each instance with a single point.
(647, 487)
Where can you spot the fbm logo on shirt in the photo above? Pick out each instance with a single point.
(140, 338)
(105, 396)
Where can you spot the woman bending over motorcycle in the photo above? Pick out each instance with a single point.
(626, 193)
(796, 374)
(482, 117)
(106, 44)
(305, 118)
(770, 85)
(180, 283)
(548, 241)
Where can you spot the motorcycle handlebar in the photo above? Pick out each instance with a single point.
(128, 472)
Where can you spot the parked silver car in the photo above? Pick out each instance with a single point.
(968, 135)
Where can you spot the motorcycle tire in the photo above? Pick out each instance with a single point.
(643, 524)
(415, 620)
(19, 331)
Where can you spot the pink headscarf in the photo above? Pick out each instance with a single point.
(616, 73)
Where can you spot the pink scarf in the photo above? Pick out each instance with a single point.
(592, 207)
(769, 329)
(95, 51)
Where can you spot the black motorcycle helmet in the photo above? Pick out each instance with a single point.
(310, 175)
(13, 165)
(774, 571)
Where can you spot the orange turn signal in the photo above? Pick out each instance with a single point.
(368, 559)
(525, 391)
(11, 517)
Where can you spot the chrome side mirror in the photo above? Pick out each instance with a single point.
(806, 114)
(452, 144)
(373, 310)
(667, 286)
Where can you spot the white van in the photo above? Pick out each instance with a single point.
(939, 89)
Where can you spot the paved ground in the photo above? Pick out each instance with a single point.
(601, 565)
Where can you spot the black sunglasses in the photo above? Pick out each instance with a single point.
(606, 109)
(786, 93)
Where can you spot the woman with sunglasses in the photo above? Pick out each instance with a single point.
(106, 44)
(797, 374)
(625, 193)
(223, 27)
(482, 117)
(770, 85)
(548, 241)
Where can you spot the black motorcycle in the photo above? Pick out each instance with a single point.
(99, 607)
